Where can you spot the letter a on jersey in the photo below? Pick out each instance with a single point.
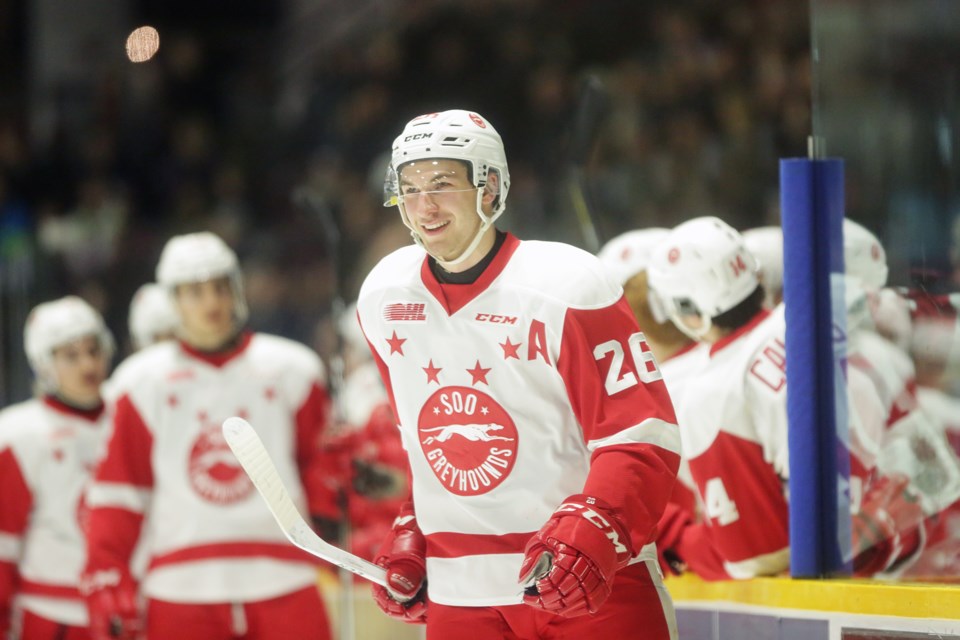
(537, 342)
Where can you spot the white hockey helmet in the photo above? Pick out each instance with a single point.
(451, 135)
(199, 257)
(701, 269)
(629, 253)
(766, 245)
(56, 323)
(152, 314)
(864, 256)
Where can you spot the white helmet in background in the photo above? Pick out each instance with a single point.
(864, 256)
(766, 245)
(701, 269)
(451, 135)
(629, 253)
(53, 324)
(152, 314)
(199, 257)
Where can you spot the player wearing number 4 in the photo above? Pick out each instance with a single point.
(542, 441)
(735, 434)
(219, 566)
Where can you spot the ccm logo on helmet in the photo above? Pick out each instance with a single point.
(418, 136)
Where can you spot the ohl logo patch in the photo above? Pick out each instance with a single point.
(470, 441)
(215, 474)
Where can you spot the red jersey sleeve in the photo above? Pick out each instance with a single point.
(618, 395)
(122, 485)
(16, 502)
(316, 462)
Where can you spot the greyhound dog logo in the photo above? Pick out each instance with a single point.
(468, 439)
(472, 432)
(213, 470)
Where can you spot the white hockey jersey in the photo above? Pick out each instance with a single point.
(512, 393)
(677, 370)
(210, 536)
(47, 455)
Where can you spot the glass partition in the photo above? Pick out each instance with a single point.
(886, 99)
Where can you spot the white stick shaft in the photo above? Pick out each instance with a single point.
(253, 457)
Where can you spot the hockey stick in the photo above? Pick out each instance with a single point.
(592, 106)
(253, 457)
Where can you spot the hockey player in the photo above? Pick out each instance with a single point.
(914, 440)
(766, 245)
(153, 317)
(626, 257)
(541, 439)
(219, 565)
(48, 448)
(735, 435)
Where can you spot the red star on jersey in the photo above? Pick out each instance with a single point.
(202, 416)
(172, 400)
(396, 344)
(243, 413)
(269, 393)
(510, 349)
(432, 372)
(478, 373)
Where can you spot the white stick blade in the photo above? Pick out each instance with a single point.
(249, 450)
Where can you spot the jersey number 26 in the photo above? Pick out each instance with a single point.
(643, 362)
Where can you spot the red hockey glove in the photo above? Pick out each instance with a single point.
(587, 545)
(112, 604)
(673, 523)
(403, 555)
(886, 530)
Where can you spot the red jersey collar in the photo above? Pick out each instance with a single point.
(219, 358)
(739, 331)
(453, 297)
(58, 405)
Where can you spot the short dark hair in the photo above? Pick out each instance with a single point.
(743, 312)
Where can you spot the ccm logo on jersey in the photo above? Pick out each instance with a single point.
(405, 312)
(495, 319)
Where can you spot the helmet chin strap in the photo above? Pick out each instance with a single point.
(693, 334)
(486, 223)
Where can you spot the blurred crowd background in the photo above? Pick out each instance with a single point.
(262, 120)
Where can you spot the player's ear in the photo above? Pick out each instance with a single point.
(492, 189)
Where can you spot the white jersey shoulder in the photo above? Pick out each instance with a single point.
(561, 271)
(20, 420)
(398, 269)
(290, 356)
(139, 368)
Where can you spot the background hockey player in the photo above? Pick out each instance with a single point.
(626, 257)
(153, 317)
(541, 438)
(219, 565)
(735, 434)
(48, 449)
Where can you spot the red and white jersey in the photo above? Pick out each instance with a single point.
(210, 537)
(512, 393)
(915, 441)
(735, 438)
(677, 370)
(47, 455)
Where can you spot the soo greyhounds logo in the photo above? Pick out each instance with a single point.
(469, 440)
(214, 472)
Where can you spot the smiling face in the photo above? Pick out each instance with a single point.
(80, 367)
(439, 202)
